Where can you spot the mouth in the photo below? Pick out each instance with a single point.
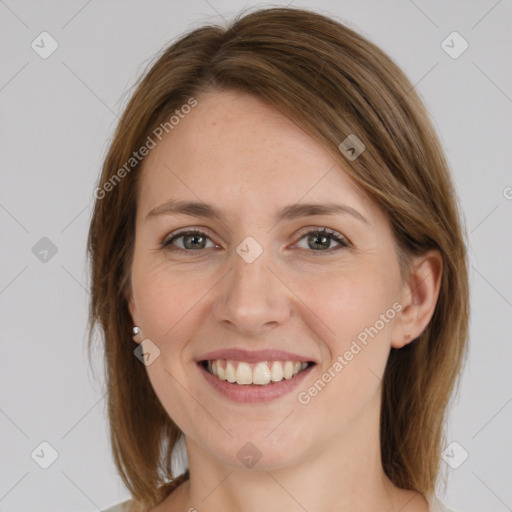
(258, 374)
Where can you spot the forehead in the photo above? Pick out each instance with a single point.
(237, 151)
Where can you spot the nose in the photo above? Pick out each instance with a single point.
(252, 299)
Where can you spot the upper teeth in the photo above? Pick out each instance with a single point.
(262, 373)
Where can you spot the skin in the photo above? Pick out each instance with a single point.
(244, 157)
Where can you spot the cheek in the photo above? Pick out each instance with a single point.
(164, 296)
(168, 304)
(353, 314)
(356, 345)
(345, 303)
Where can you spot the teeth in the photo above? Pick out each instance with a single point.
(230, 372)
(276, 374)
(243, 374)
(221, 372)
(261, 373)
(288, 370)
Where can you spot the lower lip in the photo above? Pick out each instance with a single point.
(248, 393)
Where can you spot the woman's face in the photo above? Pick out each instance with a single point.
(258, 278)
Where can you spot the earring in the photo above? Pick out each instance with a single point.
(408, 336)
(136, 331)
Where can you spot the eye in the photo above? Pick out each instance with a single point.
(191, 240)
(319, 240)
(195, 240)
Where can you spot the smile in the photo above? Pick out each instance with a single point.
(260, 374)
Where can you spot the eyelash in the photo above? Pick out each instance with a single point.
(166, 244)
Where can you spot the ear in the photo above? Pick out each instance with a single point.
(131, 305)
(133, 313)
(419, 298)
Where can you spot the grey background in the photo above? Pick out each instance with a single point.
(57, 115)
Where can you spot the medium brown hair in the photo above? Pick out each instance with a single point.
(332, 82)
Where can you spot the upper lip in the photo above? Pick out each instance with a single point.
(252, 356)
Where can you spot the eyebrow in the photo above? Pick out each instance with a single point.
(293, 211)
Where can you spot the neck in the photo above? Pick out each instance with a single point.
(344, 474)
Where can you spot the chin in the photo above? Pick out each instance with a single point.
(257, 453)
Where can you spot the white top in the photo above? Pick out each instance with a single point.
(434, 505)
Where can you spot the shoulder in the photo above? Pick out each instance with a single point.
(125, 506)
(166, 489)
(436, 505)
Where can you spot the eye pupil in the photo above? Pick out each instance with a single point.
(195, 239)
(318, 241)
(323, 244)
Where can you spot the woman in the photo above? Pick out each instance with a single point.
(276, 227)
